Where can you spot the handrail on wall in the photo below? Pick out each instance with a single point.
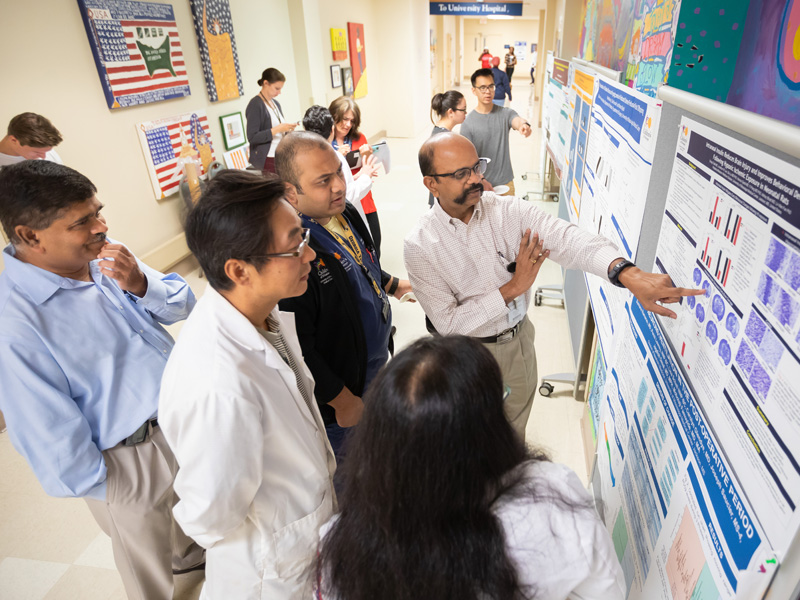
(771, 132)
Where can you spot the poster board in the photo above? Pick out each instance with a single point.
(165, 141)
(556, 111)
(137, 51)
(737, 214)
(581, 95)
(619, 159)
(786, 581)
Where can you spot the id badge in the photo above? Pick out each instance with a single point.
(385, 308)
(516, 311)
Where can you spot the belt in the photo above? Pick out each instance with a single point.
(141, 434)
(502, 337)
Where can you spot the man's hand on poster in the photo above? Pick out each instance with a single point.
(653, 290)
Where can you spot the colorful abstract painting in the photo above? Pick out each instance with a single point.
(136, 50)
(652, 45)
(746, 54)
(588, 29)
(358, 58)
(214, 28)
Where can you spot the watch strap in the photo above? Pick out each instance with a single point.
(616, 270)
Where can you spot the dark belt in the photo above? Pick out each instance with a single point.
(141, 434)
(502, 337)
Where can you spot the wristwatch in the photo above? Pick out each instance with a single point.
(616, 270)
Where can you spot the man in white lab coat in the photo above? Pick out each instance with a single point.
(237, 400)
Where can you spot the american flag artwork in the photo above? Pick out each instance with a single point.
(137, 51)
(167, 140)
(214, 28)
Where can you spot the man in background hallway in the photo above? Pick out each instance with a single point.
(487, 128)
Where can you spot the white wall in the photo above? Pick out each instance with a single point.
(498, 33)
(396, 41)
(48, 69)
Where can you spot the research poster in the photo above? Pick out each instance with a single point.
(556, 113)
(582, 89)
(681, 525)
(732, 226)
(618, 161)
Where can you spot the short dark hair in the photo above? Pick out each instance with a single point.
(271, 75)
(481, 73)
(231, 220)
(34, 130)
(35, 193)
(291, 145)
(441, 103)
(339, 108)
(433, 453)
(318, 119)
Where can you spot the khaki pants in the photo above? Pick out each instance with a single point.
(517, 360)
(137, 514)
(511, 191)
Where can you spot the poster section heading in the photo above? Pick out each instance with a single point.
(561, 71)
(471, 9)
(732, 227)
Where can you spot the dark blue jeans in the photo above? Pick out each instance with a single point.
(338, 436)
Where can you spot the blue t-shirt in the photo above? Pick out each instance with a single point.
(370, 305)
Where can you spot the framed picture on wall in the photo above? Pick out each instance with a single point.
(232, 130)
(336, 76)
(347, 81)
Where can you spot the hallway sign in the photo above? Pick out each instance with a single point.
(472, 9)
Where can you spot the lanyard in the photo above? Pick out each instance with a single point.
(350, 244)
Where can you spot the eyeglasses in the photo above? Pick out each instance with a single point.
(479, 169)
(294, 253)
(485, 88)
(460, 109)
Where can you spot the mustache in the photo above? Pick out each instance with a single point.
(476, 187)
(100, 237)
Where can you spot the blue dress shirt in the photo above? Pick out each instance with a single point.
(80, 366)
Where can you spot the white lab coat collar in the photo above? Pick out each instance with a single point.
(241, 331)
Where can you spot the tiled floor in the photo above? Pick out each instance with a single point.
(51, 548)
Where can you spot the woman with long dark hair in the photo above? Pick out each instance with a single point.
(442, 499)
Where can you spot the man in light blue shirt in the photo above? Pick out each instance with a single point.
(82, 350)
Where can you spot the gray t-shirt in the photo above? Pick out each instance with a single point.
(489, 133)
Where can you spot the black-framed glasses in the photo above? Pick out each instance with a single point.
(294, 253)
(460, 109)
(479, 168)
(485, 88)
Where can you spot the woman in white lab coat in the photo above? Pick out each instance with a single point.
(237, 404)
